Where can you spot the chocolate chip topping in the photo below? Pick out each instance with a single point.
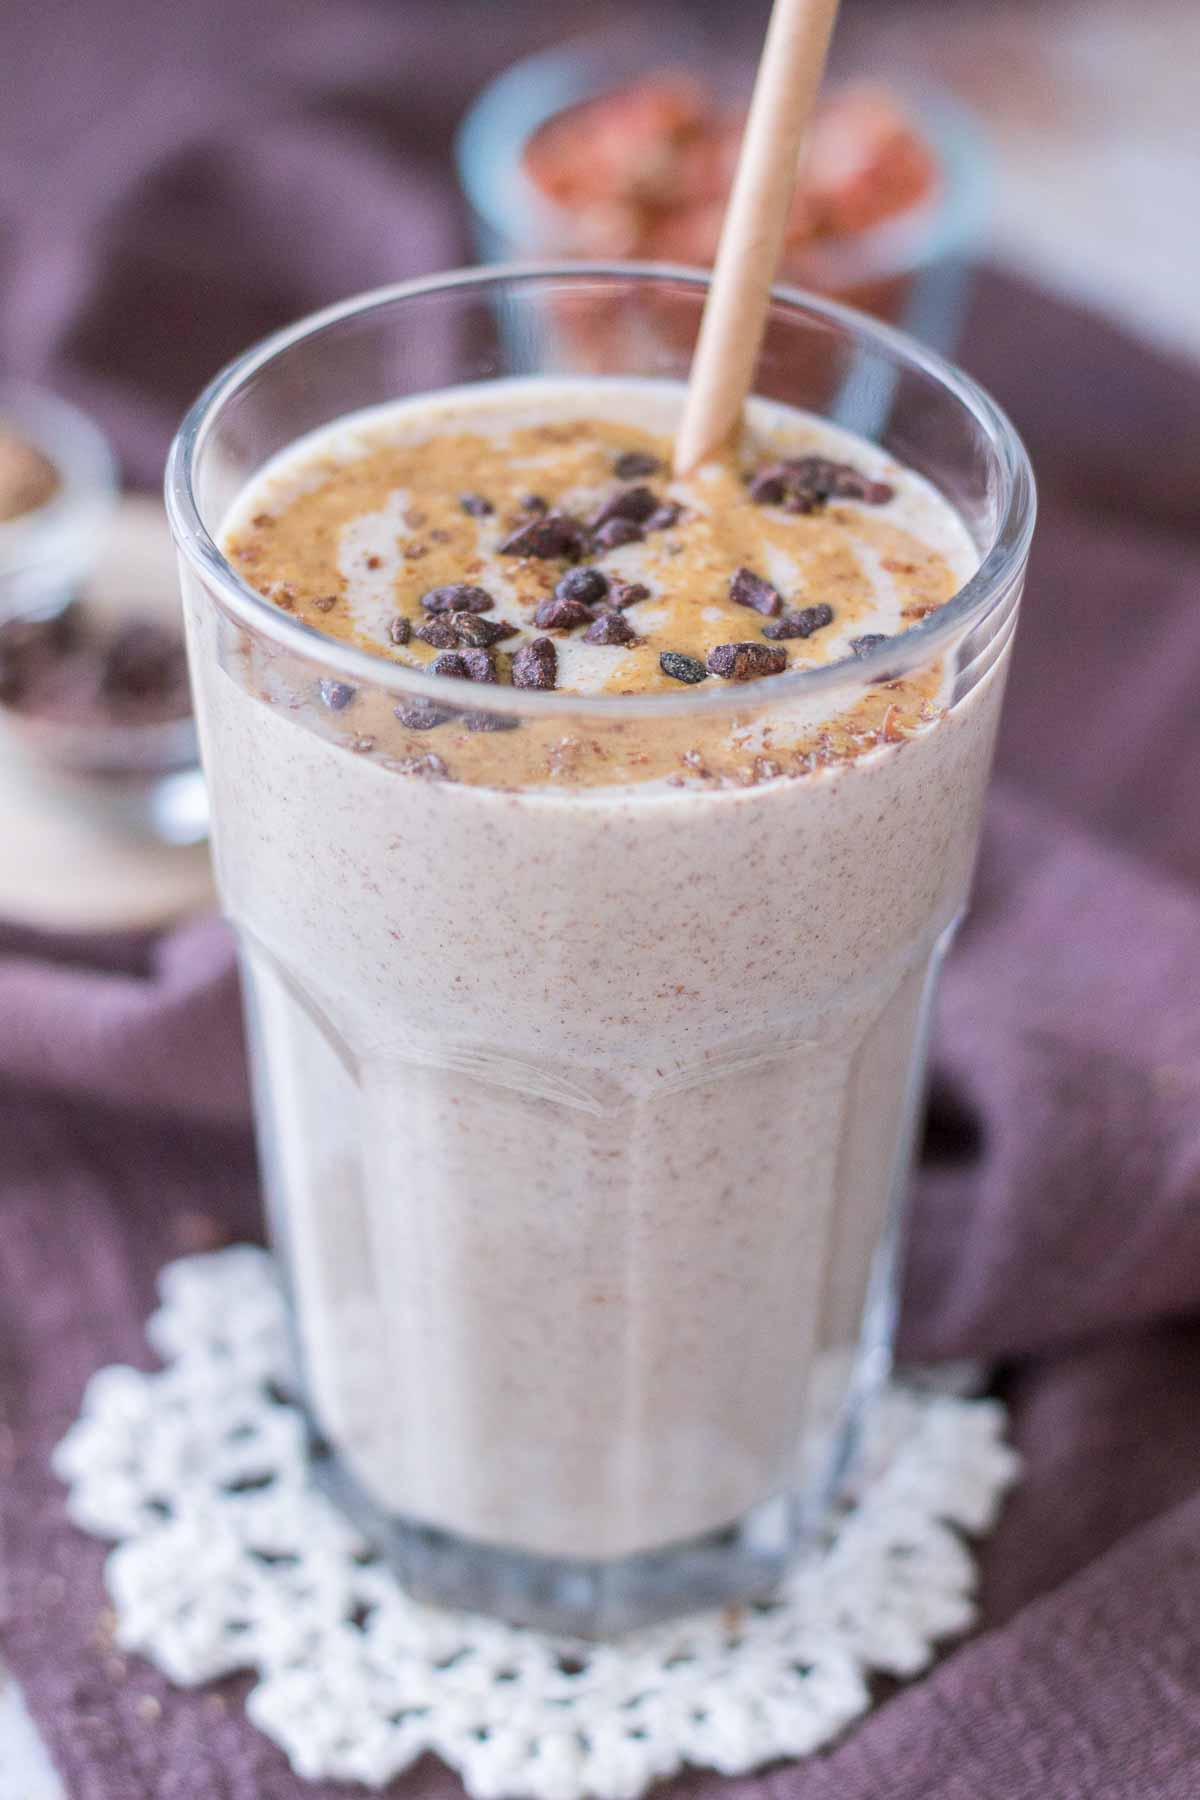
(610, 628)
(766, 486)
(535, 665)
(632, 503)
(438, 631)
(459, 596)
(799, 624)
(534, 503)
(682, 668)
(466, 665)
(478, 505)
(627, 593)
(745, 662)
(803, 483)
(557, 534)
(481, 665)
(487, 721)
(615, 532)
(449, 631)
(664, 516)
(399, 629)
(749, 589)
(862, 646)
(479, 633)
(633, 463)
(558, 614)
(336, 695)
(422, 715)
(473, 665)
(588, 585)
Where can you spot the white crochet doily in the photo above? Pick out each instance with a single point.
(230, 1559)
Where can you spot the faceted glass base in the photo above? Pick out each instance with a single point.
(595, 1600)
(741, 1564)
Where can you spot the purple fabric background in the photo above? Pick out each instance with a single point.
(171, 186)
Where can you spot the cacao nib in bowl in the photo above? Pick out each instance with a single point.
(95, 706)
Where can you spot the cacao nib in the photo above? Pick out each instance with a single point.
(422, 715)
(589, 585)
(766, 487)
(749, 589)
(633, 503)
(557, 614)
(535, 665)
(477, 633)
(481, 665)
(745, 662)
(615, 532)
(610, 628)
(459, 596)
(634, 463)
(800, 624)
(438, 631)
(467, 665)
(682, 668)
(336, 695)
(557, 534)
(803, 483)
(489, 721)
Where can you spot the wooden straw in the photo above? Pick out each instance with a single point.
(735, 313)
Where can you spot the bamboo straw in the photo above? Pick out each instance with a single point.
(789, 74)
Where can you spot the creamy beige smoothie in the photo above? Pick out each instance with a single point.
(590, 1038)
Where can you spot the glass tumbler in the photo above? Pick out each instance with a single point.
(586, 1107)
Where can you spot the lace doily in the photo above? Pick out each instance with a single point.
(230, 1559)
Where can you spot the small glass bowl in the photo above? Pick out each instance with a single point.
(141, 778)
(910, 270)
(45, 554)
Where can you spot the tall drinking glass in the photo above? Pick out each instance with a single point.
(586, 1109)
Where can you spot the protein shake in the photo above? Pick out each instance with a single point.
(584, 1038)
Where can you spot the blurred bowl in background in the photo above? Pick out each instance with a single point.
(49, 528)
(618, 147)
(95, 710)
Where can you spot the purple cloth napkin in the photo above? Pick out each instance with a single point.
(158, 211)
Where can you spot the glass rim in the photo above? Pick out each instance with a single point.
(939, 224)
(918, 644)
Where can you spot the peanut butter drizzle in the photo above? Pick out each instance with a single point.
(292, 551)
